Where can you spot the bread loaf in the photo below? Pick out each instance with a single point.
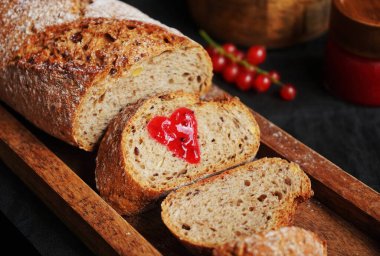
(287, 241)
(253, 198)
(70, 66)
(133, 169)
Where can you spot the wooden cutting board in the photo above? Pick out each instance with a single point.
(344, 211)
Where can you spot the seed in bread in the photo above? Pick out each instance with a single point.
(256, 197)
(133, 169)
(286, 241)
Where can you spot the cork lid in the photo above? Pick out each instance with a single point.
(355, 25)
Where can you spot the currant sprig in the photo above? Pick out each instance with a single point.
(243, 70)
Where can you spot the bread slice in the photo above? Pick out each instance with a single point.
(69, 71)
(286, 241)
(257, 197)
(133, 169)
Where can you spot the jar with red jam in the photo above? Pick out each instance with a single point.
(353, 51)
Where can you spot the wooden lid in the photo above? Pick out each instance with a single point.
(355, 25)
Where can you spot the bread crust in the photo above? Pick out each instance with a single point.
(46, 75)
(301, 241)
(113, 170)
(20, 19)
(287, 215)
(111, 178)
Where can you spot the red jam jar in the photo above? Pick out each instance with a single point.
(353, 51)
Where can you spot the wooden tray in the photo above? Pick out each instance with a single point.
(345, 212)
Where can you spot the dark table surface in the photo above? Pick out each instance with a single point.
(347, 134)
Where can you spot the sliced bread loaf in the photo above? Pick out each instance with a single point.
(133, 168)
(286, 241)
(70, 66)
(257, 197)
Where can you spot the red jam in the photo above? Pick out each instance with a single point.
(351, 77)
(353, 51)
(179, 133)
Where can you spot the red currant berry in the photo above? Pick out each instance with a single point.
(244, 80)
(211, 50)
(261, 83)
(288, 92)
(239, 55)
(229, 48)
(230, 72)
(274, 75)
(256, 55)
(218, 62)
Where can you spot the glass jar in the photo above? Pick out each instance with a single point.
(353, 52)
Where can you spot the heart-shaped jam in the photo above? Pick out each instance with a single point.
(179, 133)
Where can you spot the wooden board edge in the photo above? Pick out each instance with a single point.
(101, 228)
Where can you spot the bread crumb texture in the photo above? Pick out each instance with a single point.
(257, 197)
(228, 135)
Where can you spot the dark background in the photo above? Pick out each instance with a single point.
(347, 134)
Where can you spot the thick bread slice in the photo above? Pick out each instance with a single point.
(133, 169)
(257, 197)
(70, 79)
(287, 241)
